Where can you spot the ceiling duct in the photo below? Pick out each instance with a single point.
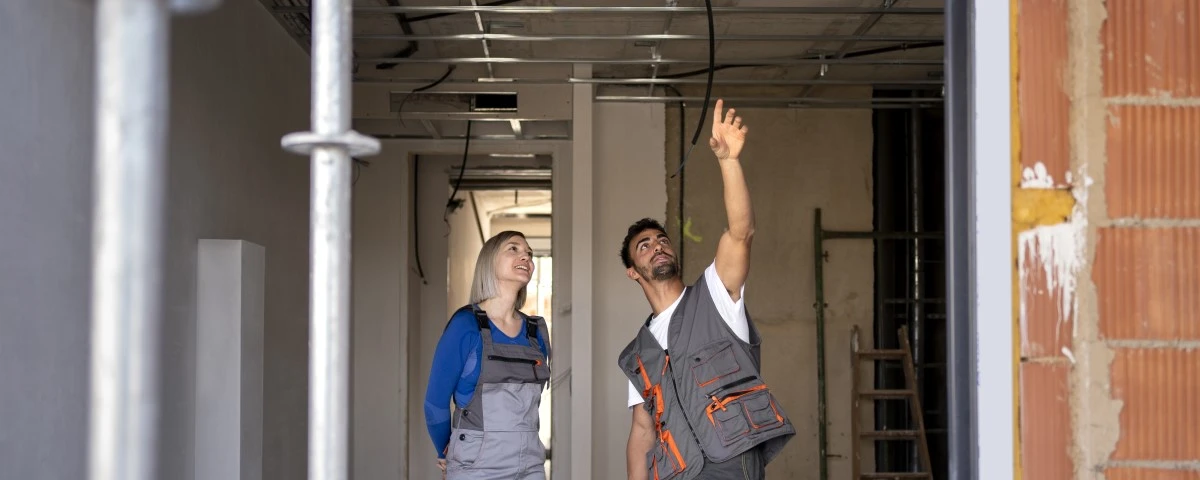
(455, 105)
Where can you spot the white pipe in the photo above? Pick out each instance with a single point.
(329, 366)
(127, 237)
(330, 145)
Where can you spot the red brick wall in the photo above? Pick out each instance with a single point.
(1146, 268)
(1147, 265)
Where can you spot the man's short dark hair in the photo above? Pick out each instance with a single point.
(635, 229)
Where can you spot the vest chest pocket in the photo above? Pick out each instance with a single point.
(713, 363)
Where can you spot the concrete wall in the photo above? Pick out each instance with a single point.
(628, 182)
(795, 161)
(464, 245)
(383, 298)
(45, 199)
(238, 84)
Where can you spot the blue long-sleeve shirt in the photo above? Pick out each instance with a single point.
(456, 371)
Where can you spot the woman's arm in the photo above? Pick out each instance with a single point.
(449, 359)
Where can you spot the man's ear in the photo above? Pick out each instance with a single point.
(632, 274)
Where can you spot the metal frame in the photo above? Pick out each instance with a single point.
(960, 375)
(978, 216)
(533, 10)
(844, 49)
(523, 37)
(822, 63)
(653, 61)
(646, 81)
(820, 256)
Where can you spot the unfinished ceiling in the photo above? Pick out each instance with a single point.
(768, 53)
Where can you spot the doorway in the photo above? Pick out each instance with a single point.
(488, 194)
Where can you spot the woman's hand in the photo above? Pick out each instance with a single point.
(442, 465)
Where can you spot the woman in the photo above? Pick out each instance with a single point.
(492, 360)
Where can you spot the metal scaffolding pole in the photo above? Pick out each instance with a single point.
(127, 237)
(330, 144)
(127, 233)
(820, 256)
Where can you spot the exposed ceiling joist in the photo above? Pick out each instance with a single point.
(664, 61)
(553, 9)
(652, 37)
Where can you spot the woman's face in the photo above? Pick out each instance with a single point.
(514, 261)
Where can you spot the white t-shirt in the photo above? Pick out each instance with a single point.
(734, 314)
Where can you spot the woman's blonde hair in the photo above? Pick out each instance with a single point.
(484, 286)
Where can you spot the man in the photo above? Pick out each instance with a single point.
(701, 410)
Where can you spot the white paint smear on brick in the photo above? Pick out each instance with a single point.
(1058, 250)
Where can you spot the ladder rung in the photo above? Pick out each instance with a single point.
(888, 394)
(887, 475)
(878, 354)
(910, 434)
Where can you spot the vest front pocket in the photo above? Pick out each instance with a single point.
(713, 363)
(743, 414)
(664, 460)
(464, 448)
(730, 424)
(760, 410)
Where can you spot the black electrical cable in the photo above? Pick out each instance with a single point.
(860, 53)
(417, 223)
(447, 14)
(461, 170)
(712, 60)
(682, 174)
(406, 27)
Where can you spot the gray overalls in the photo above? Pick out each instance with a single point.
(496, 435)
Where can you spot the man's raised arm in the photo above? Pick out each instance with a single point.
(733, 250)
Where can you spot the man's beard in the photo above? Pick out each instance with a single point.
(665, 271)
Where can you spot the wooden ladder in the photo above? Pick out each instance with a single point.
(904, 355)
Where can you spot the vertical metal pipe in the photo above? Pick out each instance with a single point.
(915, 329)
(330, 146)
(329, 321)
(819, 305)
(127, 237)
(960, 361)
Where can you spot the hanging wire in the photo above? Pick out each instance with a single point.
(712, 65)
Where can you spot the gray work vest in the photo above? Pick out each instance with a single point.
(496, 435)
(704, 394)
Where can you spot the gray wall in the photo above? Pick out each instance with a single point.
(45, 228)
(380, 373)
(238, 83)
(629, 174)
